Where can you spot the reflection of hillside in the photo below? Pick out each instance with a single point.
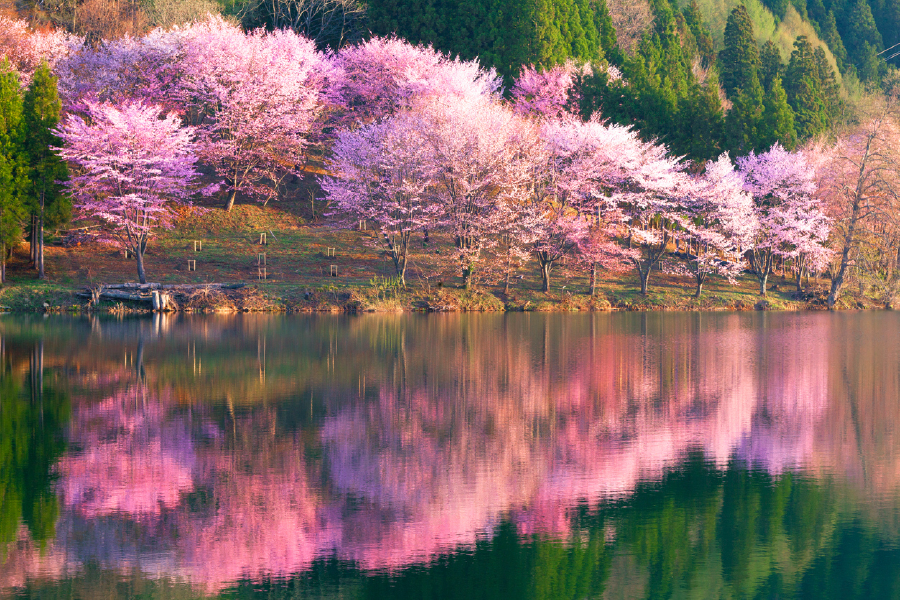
(213, 450)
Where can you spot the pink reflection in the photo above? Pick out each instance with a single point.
(495, 430)
(133, 460)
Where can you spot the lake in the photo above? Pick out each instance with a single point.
(626, 455)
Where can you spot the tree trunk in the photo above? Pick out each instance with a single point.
(644, 275)
(399, 253)
(40, 248)
(139, 255)
(546, 265)
(762, 282)
(401, 269)
(2, 264)
(33, 240)
(801, 267)
(230, 204)
(593, 279)
(701, 279)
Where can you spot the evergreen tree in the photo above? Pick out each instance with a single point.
(660, 93)
(861, 37)
(13, 172)
(702, 122)
(743, 123)
(887, 17)
(41, 109)
(868, 66)
(770, 65)
(704, 40)
(804, 91)
(828, 84)
(830, 35)
(816, 11)
(777, 120)
(739, 60)
(606, 29)
(778, 7)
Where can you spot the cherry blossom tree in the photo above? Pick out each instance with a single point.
(147, 68)
(590, 179)
(550, 93)
(721, 223)
(383, 173)
(481, 172)
(598, 249)
(382, 75)
(860, 186)
(26, 49)
(256, 98)
(791, 220)
(131, 162)
(651, 198)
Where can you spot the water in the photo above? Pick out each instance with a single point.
(451, 456)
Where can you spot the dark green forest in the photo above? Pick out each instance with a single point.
(781, 71)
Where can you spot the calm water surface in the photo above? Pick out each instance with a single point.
(451, 456)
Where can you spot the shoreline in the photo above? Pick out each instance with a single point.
(47, 297)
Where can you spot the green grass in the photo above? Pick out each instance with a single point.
(298, 267)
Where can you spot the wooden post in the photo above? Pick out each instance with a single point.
(192, 265)
(329, 252)
(263, 241)
(334, 270)
(362, 225)
(155, 300)
(198, 245)
(261, 273)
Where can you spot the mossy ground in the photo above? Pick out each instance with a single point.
(298, 267)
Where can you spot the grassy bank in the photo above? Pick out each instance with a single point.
(299, 255)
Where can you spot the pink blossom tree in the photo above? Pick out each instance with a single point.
(654, 203)
(383, 173)
(256, 98)
(791, 221)
(550, 93)
(26, 49)
(722, 222)
(148, 68)
(481, 171)
(131, 162)
(593, 180)
(598, 249)
(567, 175)
(383, 75)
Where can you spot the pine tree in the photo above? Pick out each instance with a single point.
(770, 67)
(702, 122)
(828, 84)
(804, 91)
(744, 121)
(861, 37)
(778, 7)
(609, 42)
(13, 172)
(704, 40)
(777, 120)
(739, 60)
(816, 11)
(868, 66)
(830, 35)
(41, 110)
(887, 17)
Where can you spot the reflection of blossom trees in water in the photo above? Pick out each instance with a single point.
(452, 435)
(127, 457)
